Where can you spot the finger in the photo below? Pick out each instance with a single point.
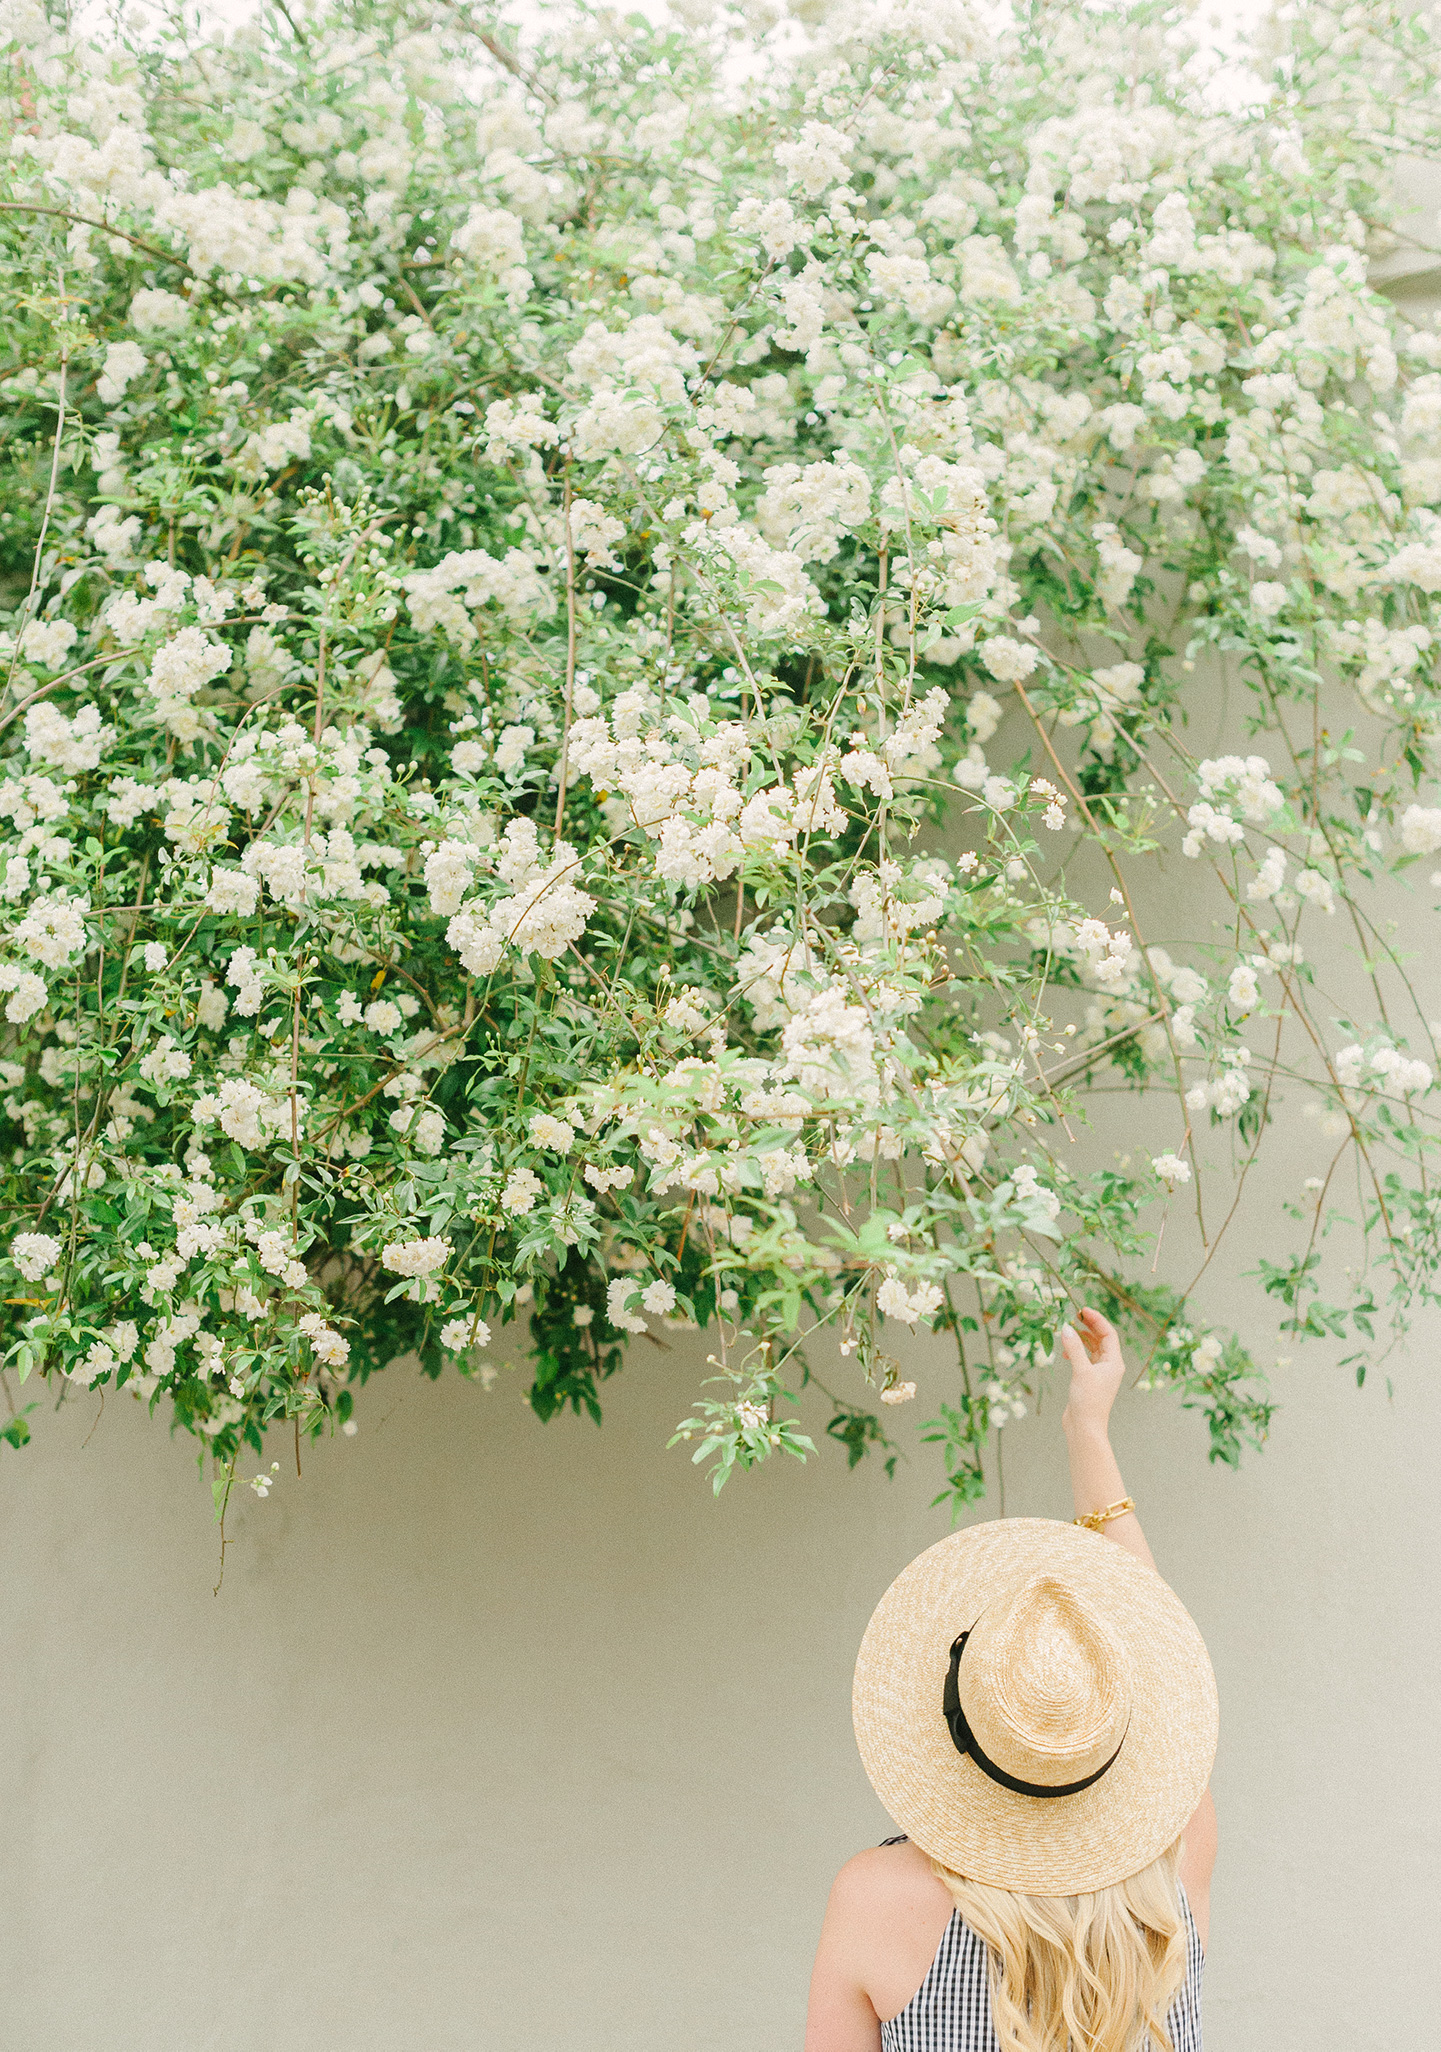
(1073, 1347)
(1100, 1325)
(1090, 1342)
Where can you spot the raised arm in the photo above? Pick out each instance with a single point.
(1093, 1348)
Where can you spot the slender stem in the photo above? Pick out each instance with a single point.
(25, 611)
(563, 769)
(166, 256)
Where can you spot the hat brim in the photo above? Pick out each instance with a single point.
(1064, 1845)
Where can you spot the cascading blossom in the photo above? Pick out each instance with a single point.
(596, 664)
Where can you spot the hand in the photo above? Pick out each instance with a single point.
(1093, 1348)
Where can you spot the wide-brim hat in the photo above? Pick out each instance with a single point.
(1035, 1707)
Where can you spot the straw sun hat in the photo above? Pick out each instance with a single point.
(1035, 1708)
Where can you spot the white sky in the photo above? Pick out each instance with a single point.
(1222, 21)
(1222, 25)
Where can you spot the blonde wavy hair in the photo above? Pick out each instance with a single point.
(1081, 1973)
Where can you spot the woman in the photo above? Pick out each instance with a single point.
(1037, 1712)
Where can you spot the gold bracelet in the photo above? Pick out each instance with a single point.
(1095, 1519)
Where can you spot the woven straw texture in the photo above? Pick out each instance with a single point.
(1079, 1646)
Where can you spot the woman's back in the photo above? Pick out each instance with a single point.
(897, 1950)
(951, 2010)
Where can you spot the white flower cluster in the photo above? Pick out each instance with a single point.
(1399, 1074)
(415, 1257)
(542, 911)
(538, 551)
(895, 1300)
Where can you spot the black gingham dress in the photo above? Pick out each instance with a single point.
(951, 2010)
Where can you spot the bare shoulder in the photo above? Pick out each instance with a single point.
(887, 1878)
(889, 1912)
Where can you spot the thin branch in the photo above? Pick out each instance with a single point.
(25, 610)
(166, 256)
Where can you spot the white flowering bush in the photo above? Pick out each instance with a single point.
(602, 641)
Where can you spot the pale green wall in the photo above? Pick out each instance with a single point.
(506, 1738)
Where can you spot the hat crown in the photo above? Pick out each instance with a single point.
(1045, 1683)
(1068, 1632)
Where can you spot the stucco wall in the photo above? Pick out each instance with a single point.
(508, 1736)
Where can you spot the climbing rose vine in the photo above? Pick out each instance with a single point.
(605, 637)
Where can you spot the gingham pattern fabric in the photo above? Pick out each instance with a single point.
(951, 2010)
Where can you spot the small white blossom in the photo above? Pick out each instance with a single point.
(817, 158)
(549, 1132)
(1421, 829)
(619, 1295)
(1316, 889)
(895, 1300)
(1242, 991)
(34, 1254)
(460, 1334)
(1008, 660)
(415, 1257)
(124, 361)
(522, 1187)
